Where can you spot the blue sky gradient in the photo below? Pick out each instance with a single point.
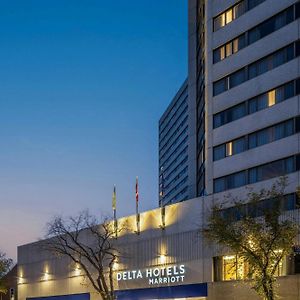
(82, 87)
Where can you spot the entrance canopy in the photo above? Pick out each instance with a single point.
(182, 291)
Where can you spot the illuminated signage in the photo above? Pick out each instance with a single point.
(159, 275)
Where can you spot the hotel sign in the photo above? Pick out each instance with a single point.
(155, 276)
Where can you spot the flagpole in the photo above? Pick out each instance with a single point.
(137, 206)
(114, 206)
(161, 194)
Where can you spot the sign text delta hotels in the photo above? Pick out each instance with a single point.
(159, 275)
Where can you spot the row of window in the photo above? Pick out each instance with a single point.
(181, 99)
(166, 167)
(182, 124)
(176, 178)
(258, 32)
(181, 196)
(263, 172)
(169, 125)
(175, 142)
(258, 138)
(182, 163)
(257, 68)
(234, 12)
(233, 267)
(164, 162)
(179, 185)
(262, 101)
(260, 208)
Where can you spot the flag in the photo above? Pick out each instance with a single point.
(136, 191)
(162, 183)
(114, 199)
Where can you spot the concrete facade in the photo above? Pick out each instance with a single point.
(179, 245)
(203, 41)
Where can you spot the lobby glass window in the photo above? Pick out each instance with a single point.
(230, 267)
(233, 267)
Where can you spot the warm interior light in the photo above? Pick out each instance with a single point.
(229, 149)
(229, 257)
(271, 98)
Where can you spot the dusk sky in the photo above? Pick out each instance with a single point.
(82, 87)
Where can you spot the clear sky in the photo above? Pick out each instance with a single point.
(82, 87)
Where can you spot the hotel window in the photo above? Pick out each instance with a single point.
(234, 267)
(256, 174)
(257, 103)
(234, 12)
(271, 25)
(257, 68)
(230, 267)
(256, 139)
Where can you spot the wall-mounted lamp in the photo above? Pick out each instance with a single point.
(163, 259)
(77, 270)
(46, 276)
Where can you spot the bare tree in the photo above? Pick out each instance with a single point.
(257, 233)
(5, 265)
(90, 246)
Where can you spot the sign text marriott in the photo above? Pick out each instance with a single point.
(161, 275)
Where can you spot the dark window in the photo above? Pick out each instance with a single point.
(219, 185)
(298, 124)
(237, 78)
(297, 10)
(253, 3)
(220, 86)
(239, 145)
(239, 9)
(219, 152)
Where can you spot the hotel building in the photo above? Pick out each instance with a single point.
(243, 127)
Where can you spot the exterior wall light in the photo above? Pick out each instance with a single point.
(77, 270)
(163, 259)
(46, 276)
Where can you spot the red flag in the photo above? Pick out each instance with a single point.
(136, 190)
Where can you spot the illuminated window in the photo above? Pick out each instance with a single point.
(235, 45)
(271, 98)
(228, 49)
(229, 149)
(229, 267)
(222, 54)
(229, 16)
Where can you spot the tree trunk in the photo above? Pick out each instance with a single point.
(268, 289)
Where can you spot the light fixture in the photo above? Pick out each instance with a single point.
(46, 276)
(163, 258)
(77, 270)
